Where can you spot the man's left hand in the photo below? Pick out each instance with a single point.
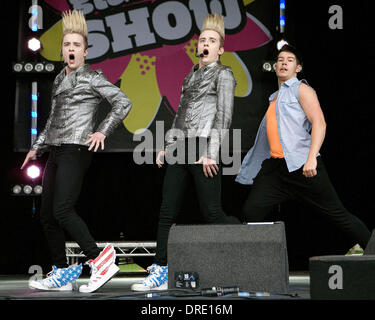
(309, 169)
(96, 140)
(210, 167)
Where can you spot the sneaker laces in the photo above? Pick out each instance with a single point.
(52, 272)
(52, 276)
(154, 271)
(93, 270)
(151, 269)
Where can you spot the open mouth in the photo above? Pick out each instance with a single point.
(71, 57)
(205, 52)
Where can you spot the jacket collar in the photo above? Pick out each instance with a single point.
(65, 82)
(208, 67)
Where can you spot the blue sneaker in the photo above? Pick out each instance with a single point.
(59, 279)
(157, 279)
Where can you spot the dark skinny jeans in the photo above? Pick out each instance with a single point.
(62, 181)
(209, 196)
(275, 184)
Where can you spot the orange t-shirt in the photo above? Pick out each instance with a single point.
(276, 150)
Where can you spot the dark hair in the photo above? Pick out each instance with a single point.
(291, 49)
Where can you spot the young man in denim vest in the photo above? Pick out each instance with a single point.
(284, 161)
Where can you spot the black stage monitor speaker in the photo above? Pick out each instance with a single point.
(252, 257)
(370, 248)
(342, 277)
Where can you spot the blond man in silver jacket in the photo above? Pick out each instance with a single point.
(204, 113)
(70, 135)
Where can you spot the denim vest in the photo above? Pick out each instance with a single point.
(294, 132)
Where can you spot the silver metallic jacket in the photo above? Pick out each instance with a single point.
(75, 101)
(206, 104)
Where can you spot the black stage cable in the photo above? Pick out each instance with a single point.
(228, 292)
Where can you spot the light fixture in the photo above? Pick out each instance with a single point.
(34, 44)
(28, 67)
(281, 43)
(33, 67)
(268, 66)
(33, 171)
(27, 189)
(39, 67)
(17, 67)
(282, 16)
(50, 67)
(17, 189)
(38, 189)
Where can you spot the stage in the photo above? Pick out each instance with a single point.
(15, 287)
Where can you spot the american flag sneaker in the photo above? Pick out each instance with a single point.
(59, 279)
(156, 280)
(103, 268)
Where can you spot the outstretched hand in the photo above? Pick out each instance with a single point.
(30, 155)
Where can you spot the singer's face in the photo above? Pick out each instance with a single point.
(74, 51)
(209, 45)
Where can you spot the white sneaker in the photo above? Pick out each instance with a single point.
(59, 279)
(103, 268)
(157, 280)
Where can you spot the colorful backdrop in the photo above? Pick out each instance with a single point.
(147, 48)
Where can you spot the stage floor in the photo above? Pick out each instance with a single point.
(15, 287)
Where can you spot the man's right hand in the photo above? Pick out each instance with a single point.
(31, 154)
(159, 162)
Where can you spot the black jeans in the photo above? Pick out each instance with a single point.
(209, 196)
(274, 184)
(62, 181)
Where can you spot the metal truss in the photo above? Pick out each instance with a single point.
(123, 249)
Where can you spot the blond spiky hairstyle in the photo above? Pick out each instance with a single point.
(74, 22)
(215, 23)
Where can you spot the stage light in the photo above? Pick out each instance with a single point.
(34, 67)
(34, 44)
(38, 189)
(50, 67)
(268, 66)
(17, 189)
(33, 171)
(39, 67)
(27, 189)
(281, 43)
(282, 21)
(28, 67)
(17, 67)
(282, 16)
